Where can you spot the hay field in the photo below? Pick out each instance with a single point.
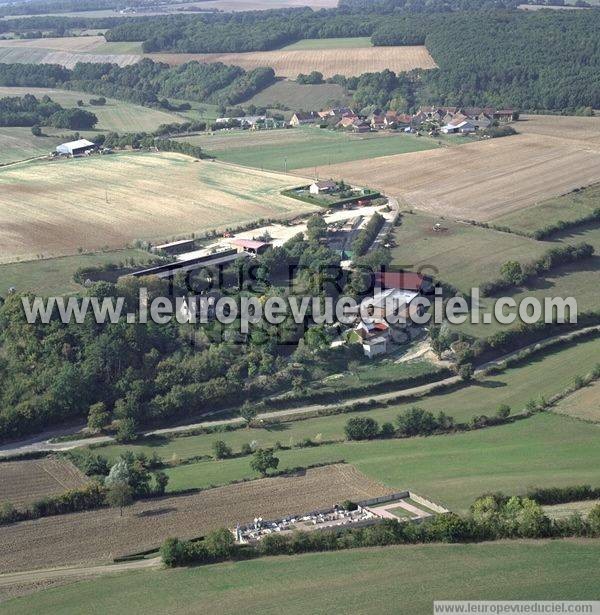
(52, 208)
(19, 144)
(349, 62)
(100, 535)
(489, 179)
(26, 481)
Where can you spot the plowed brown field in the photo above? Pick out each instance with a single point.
(484, 180)
(97, 536)
(22, 482)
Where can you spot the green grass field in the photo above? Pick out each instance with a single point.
(54, 276)
(370, 581)
(551, 373)
(19, 144)
(116, 115)
(567, 207)
(331, 43)
(461, 254)
(453, 470)
(304, 147)
(300, 96)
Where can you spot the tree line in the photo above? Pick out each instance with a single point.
(147, 82)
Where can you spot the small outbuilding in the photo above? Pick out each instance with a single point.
(75, 148)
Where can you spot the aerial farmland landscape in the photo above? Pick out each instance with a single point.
(299, 306)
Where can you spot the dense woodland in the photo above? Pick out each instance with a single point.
(29, 111)
(147, 374)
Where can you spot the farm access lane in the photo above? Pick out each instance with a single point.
(41, 442)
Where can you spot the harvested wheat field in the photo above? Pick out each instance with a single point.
(349, 62)
(23, 482)
(53, 208)
(488, 179)
(99, 536)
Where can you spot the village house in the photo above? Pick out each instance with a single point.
(374, 337)
(301, 118)
(324, 185)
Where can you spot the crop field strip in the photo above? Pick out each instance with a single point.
(98, 536)
(349, 62)
(26, 481)
(583, 404)
(488, 179)
(54, 208)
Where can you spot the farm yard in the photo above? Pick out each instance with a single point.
(24, 482)
(300, 147)
(55, 208)
(489, 179)
(328, 61)
(370, 581)
(99, 536)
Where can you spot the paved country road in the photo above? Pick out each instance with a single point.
(42, 441)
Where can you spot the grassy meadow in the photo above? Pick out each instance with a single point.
(304, 147)
(453, 470)
(295, 95)
(54, 276)
(552, 372)
(369, 581)
(567, 207)
(461, 254)
(331, 43)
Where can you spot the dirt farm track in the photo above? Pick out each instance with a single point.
(98, 536)
(483, 180)
(55, 207)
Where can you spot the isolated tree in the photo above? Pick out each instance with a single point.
(161, 480)
(263, 460)
(416, 421)
(120, 472)
(36, 131)
(119, 495)
(512, 272)
(361, 428)
(98, 417)
(248, 413)
(221, 450)
(466, 372)
(503, 411)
